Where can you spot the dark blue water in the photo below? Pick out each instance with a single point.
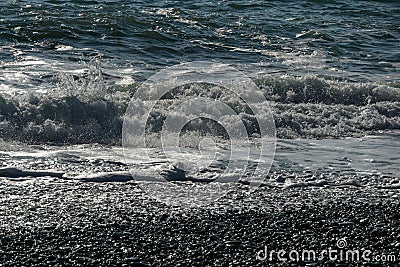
(355, 40)
(330, 67)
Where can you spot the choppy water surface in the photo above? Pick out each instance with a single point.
(356, 41)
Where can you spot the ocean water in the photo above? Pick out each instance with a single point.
(329, 71)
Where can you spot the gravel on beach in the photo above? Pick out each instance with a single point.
(71, 223)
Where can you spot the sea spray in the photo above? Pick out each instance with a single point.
(88, 107)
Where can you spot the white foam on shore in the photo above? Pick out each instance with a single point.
(102, 177)
(298, 163)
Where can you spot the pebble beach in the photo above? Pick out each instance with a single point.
(46, 222)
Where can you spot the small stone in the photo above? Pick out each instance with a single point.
(346, 223)
(115, 236)
(30, 242)
(51, 258)
(133, 259)
(234, 243)
(280, 179)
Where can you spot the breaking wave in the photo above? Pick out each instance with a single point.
(85, 109)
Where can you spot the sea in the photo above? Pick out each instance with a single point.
(328, 73)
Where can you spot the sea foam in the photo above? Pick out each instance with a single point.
(85, 109)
